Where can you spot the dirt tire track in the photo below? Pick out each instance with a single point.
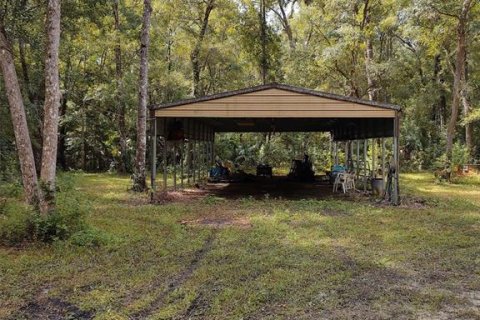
(177, 281)
(52, 309)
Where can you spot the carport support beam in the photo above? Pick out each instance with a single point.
(335, 147)
(396, 134)
(153, 172)
(383, 159)
(175, 165)
(189, 159)
(365, 176)
(165, 148)
(194, 151)
(357, 167)
(346, 154)
(213, 148)
(374, 156)
(182, 152)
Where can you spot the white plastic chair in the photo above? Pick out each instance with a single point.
(345, 180)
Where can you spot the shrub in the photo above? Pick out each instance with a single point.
(11, 190)
(67, 219)
(20, 223)
(65, 182)
(14, 222)
(89, 237)
(460, 155)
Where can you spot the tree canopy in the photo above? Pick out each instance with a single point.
(402, 52)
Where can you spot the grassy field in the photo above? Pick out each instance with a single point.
(256, 259)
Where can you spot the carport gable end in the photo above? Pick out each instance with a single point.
(275, 101)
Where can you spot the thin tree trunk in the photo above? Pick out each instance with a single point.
(467, 107)
(123, 159)
(19, 120)
(459, 75)
(286, 24)
(23, 62)
(195, 55)
(52, 106)
(372, 85)
(263, 35)
(68, 84)
(139, 183)
(440, 106)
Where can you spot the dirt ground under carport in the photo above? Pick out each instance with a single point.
(277, 187)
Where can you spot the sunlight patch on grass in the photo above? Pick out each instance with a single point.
(303, 258)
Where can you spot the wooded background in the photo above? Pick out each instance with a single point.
(422, 54)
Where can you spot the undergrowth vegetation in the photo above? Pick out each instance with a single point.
(255, 258)
(21, 224)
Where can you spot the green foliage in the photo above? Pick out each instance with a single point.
(64, 221)
(460, 155)
(20, 223)
(210, 199)
(276, 149)
(11, 189)
(316, 44)
(90, 237)
(14, 223)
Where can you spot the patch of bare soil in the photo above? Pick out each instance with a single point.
(177, 281)
(198, 307)
(186, 195)
(219, 222)
(411, 202)
(52, 309)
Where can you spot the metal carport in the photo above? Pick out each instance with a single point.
(271, 108)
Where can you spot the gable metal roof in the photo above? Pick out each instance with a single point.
(281, 87)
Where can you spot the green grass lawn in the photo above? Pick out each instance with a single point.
(256, 259)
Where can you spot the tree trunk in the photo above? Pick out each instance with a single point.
(52, 106)
(23, 62)
(19, 120)
(139, 183)
(286, 24)
(123, 158)
(467, 107)
(195, 55)
(438, 114)
(263, 35)
(459, 75)
(372, 85)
